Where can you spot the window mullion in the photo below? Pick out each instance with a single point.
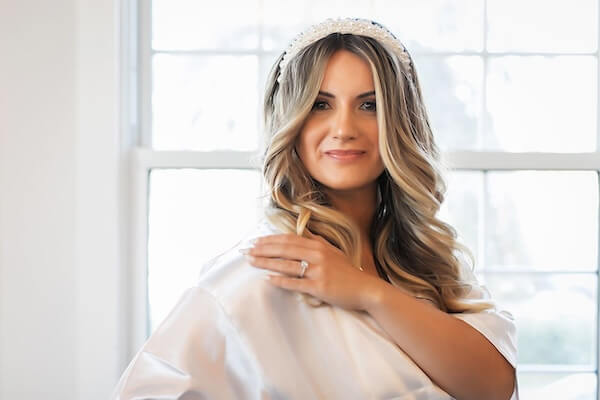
(597, 344)
(492, 160)
(137, 293)
(145, 73)
(456, 160)
(148, 158)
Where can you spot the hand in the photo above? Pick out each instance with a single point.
(330, 276)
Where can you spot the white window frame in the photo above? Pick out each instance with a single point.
(138, 83)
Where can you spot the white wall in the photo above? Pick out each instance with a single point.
(61, 169)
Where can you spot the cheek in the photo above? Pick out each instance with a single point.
(375, 143)
(377, 157)
(307, 145)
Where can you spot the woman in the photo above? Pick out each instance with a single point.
(387, 308)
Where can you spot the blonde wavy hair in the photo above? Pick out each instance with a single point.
(412, 248)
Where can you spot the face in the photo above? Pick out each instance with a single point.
(343, 118)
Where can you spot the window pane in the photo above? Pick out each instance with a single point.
(194, 215)
(205, 102)
(542, 25)
(563, 386)
(463, 209)
(435, 24)
(187, 25)
(284, 19)
(542, 220)
(452, 89)
(266, 62)
(541, 104)
(555, 315)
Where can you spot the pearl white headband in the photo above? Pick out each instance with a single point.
(356, 26)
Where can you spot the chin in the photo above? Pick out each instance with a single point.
(346, 185)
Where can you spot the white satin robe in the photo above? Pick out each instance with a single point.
(236, 336)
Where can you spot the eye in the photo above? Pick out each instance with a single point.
(371, 105)
(319, 105)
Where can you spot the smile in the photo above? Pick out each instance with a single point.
(345, 156)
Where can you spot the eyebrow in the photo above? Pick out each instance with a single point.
(360, 96)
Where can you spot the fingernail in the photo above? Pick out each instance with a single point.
(246, 250)
(253, 241)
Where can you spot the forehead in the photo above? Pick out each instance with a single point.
(347, 72)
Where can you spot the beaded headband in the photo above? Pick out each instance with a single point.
(356, 26)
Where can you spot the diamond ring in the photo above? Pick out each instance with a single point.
(304, 266)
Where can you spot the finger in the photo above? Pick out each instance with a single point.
(288, 267)
(317, 237)
(288, 239)
(286, 251)
(296, 284)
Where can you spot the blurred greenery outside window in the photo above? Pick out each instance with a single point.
(511, 89)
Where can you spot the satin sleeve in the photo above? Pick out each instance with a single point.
(499, 328)
(196, 353)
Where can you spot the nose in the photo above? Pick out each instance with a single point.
(343, 126)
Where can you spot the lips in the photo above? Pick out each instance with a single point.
(344, 152)
(344, 155)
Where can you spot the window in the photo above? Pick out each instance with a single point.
(512, 93)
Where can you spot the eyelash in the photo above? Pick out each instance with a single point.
(321, 101)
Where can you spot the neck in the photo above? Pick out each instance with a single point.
(358, 204)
